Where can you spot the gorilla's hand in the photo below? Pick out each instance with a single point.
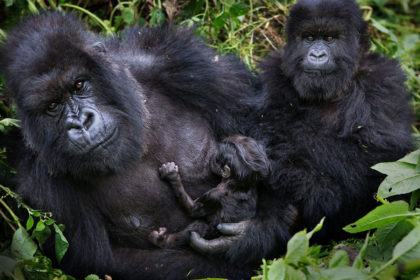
(231, 231)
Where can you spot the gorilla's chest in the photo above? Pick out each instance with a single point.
(138, 199)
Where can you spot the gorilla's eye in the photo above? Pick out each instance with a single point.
(52, 106)
(329, 39)
(79, 85)
(310, 38)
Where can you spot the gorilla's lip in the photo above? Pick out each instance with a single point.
(317, 71)
(106, 141)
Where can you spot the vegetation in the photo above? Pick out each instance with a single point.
(250, 29)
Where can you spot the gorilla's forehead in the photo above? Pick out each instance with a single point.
(321, 26)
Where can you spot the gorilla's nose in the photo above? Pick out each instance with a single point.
(84, 129)
(318, 56)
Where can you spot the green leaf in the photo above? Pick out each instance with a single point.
(220, 21)
(412, 157)
(317, 228)
(388, 236)
(358, 261)
(9, 3)
(238, 9)
(414, 199)
(381, 216)
(29, 223)
(40, 226)
(407, 185)
(279, 270)
(61, 244)
(339, 259)
(343, 273)
(42, 235)
(10, 122)
(297, 247)
(92, 277)
(128, 15)
(408, 249)
(22, 245)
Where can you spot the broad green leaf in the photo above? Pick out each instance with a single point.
(9, 3)
(412, 157)
(406, 185)
(388, 236)
(9, 122)
(92, 277)
(397, 170)
(61, 243)
(381, 216)
(128, 15)
(22, 245)
(408, 249)
(42, 235)
(29, 223)
(414, 199)
(238, 9)
(339, 259)
(297, 247)
(343, 273)
(279, 270)
(317, 228)
(220, 21)
(40, 226)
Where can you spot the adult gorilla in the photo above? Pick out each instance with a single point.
(333, 110)
(99, 117)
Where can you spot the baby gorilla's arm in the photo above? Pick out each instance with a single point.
(170, 173)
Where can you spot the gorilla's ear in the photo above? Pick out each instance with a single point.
(98, 47)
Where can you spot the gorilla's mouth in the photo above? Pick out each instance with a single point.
(317, 72)
(106, 141)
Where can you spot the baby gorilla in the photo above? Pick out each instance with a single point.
(241, 162)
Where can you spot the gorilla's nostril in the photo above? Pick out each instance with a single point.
(318, 54)
(88, 120)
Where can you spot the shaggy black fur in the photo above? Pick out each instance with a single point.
(99, 116)
(324, 128)
(242, 163)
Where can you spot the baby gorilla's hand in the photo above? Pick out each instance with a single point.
(169, 171)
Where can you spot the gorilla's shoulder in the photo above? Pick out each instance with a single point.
(173, 61)
(380, 74)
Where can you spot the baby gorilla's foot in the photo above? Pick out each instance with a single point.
(159, 237)
(169, 171)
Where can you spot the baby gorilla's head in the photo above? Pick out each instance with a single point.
(241, 158)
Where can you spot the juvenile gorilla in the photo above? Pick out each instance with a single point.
(333, 110)
(242, 163)
(99, 117)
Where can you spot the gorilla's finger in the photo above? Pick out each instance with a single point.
(206, 247)
(233, 228)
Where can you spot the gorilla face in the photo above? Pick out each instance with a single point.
(78, 113)
(324, 46)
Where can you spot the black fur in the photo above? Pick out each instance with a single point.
(324, 132)
(170, 97)
(242, 163)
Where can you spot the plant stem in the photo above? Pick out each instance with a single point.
(15, 218)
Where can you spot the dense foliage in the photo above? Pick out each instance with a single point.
(250, 29)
